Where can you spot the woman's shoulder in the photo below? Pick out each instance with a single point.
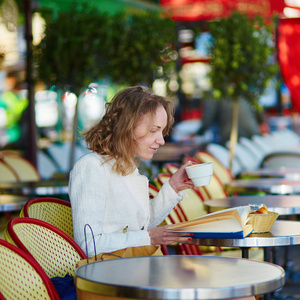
(92, 156)
(89, 160)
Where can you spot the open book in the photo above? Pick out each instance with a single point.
(227, 223)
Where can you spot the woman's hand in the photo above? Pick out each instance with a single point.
(180, 181)
(159, 236)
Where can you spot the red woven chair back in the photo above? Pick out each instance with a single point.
(55, 211)
(55, 251)
(171, 168)
(153, 190)
(189, 208)
(22, 277)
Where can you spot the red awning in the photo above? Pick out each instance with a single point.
(289, 57)
(195, 10)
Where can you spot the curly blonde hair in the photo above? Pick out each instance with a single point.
(114, 134)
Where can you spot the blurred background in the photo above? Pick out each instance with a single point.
(61, 61)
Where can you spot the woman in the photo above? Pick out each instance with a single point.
(106, 190)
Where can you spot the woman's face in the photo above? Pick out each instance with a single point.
(149, 133)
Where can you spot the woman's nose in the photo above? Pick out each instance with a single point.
(160, 140)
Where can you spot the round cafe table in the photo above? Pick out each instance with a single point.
(35, 188)
(177, 277)
(286, 173)
(282, 204)
(12, 202)
(267, 185)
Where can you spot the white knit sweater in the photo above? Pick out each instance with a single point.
(116, 207)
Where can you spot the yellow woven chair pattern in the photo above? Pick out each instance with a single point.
(55, 251)
(190, 207)
(21, 214)
(25, 171)
(215, 189)
(51, 210)
(203, 193)
(191, 203)
(7, 174)
(22, 277)
(170, 168)
(152, 191)
(8, 238)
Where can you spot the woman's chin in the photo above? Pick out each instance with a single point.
(146, 157)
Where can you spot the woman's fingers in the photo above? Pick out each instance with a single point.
(172, 240)
(177, 237)
(161, 236)
(180, 181)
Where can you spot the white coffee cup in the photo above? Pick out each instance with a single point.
(200, 174)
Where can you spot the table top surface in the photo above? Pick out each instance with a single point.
(282, 204)
(287, 173)
(42, 187)
(179, 277)
(282, 233)
(12, 202)
(268, 185)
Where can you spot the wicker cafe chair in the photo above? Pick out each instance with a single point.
(189, 208)
(200, 190)
(22, 277)
(215, 189)
(153, 190)
(192, 203)
(1, 296)
(170, 168)
(7, 173)
(55, 251)
(223, 155)
(220, 169)
(281, 159)
(177, 215)
(23, 169)
(55, 211)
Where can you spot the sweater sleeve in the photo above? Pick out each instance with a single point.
(162, 204)
(88, 195)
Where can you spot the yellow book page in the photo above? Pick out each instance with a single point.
(223, 225)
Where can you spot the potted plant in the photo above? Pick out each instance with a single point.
(242, 62)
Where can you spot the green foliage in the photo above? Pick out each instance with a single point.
(73, 49)
(81, 46)
(140, 44)
(242, 62)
